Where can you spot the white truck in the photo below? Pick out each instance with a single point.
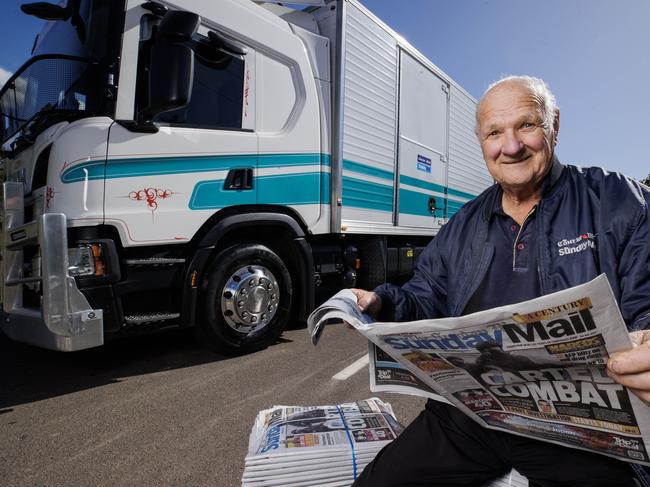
(214, 164)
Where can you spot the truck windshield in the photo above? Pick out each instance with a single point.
(47, 86)
(72, 73)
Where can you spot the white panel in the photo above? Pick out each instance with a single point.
(79, 150)
(372, 228)
(422, 143)
(421, 222)
(423, 106)
(369, 124)
(467, 170)
(276, 94)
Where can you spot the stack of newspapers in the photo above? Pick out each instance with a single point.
(317, 445)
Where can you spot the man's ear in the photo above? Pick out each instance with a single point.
(556, 123)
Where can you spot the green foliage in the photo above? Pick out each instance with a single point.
(646, 181)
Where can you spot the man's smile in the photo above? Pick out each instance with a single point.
(517, 161)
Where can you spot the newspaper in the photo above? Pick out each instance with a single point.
(535, 369)
(317, 445)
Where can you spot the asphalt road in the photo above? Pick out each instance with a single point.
(161, 410)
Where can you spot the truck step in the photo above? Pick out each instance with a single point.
(154, 261)
(24, 280)
(145, 319)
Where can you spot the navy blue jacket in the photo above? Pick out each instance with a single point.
(589, 221)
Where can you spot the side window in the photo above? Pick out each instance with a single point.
(217, 91)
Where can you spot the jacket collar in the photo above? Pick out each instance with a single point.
(550, 181)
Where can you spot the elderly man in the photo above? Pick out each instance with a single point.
(503, 247)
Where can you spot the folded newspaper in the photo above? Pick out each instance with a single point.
(325, 446)
(317, 445)
(535, 369)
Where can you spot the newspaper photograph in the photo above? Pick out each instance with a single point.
(536, 368)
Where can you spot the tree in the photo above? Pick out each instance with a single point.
(646, 181)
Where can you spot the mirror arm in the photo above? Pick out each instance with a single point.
(219, 41)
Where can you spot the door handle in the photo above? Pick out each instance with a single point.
(237, 179)
(432, 206)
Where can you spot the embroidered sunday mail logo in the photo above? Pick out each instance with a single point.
(578, 244)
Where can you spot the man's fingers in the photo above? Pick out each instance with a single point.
(366, 302)
(640, 381)
(632, 367)
(631, 361)
(361, 295)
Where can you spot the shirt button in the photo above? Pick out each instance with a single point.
(520, 246)
(513, 228)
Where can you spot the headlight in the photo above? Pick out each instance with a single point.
(85, 260)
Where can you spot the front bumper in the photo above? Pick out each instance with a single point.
(65, 321)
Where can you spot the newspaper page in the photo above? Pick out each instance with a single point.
(535, 369)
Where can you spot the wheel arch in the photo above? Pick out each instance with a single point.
(285, 233)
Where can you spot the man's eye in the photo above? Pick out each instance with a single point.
(494, 133)
(528, 125)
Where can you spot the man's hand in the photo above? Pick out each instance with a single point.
(368, 301)
(632, 367)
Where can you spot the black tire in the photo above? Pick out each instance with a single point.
(255, 269)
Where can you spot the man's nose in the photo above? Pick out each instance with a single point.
(512, 145)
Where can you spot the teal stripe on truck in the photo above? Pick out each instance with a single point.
(368, 195)
(158, 166)
(367, 170)
(462, 194)
(453, 207)
(281, 189)
(415, 203)
(419, 183)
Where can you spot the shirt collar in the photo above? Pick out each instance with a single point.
(548, 184)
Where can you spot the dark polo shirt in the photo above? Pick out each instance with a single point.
(513, 273)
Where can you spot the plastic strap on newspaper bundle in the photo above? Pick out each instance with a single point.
(347, 432)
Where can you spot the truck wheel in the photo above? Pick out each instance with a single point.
(247, 300)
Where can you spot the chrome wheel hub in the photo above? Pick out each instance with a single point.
(250, 299)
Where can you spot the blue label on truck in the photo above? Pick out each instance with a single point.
(424, 163)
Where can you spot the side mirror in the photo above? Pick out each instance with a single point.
(46, 11)
(171, 65)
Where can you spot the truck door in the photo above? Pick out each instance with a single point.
(161, 187)
(423, 148)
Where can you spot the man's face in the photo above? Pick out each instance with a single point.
(516, 148)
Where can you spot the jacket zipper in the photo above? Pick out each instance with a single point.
(539, 244)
